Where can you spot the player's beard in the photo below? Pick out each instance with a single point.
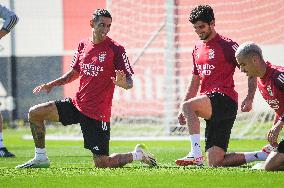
(206, 35)
(99, 35)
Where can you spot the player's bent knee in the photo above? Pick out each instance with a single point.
(41, 112)
(186, 107)
(32, 113)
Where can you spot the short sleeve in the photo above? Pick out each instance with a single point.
(194, 70)
(121, 61)
(233, 46)
(279, 82)
(75, 61)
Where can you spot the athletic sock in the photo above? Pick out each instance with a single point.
(40, 154)
(137, 156)
(1, 140)
(255, 156)
(195, 145)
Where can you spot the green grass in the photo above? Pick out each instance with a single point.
(71, 166)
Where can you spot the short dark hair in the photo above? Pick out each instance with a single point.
(101, 12)
(202, 13)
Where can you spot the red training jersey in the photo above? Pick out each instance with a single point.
(271, 87)
(96, 64)
(214, 61)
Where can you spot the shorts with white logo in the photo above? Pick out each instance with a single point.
(96, 133)
(218, 128)
(280, 148)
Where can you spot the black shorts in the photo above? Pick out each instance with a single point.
(280, 148)
(218, 128)
(96, 133)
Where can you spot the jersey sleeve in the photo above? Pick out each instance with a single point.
(9, 17)
(75, 61)
(279, 81)
(194, 70)
(121, 61)
(232, 48)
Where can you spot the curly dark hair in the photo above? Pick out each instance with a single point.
(202, 13)
(101, 12)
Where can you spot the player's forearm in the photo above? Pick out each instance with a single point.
(252, 84)
(65, 79)
(191, 92)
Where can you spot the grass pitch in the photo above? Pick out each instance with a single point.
(71, 166)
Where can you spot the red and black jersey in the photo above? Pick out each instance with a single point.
(271, 87)
(96, 64)
(214, 61)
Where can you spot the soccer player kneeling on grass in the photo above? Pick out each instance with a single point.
(100, 63)
(271, 86)
(214, 65)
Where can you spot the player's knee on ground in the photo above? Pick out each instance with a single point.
(102, 161)
(215, 163)
(215, 156)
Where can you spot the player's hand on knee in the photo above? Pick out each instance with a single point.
(246, 105)
(181, 119)
(273, 133)
(42, 87)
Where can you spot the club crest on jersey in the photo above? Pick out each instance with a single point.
(102, 56)
(211, 54)
(269, 90)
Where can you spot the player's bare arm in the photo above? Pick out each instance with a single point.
(247, 103)
(273, 133)
(122, 80)
(68, 77)
(193, 87)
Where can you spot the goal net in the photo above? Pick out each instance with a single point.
(159, 38)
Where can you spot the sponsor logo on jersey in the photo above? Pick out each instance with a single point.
(91, 69)
(205, 69)
(273, 103)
